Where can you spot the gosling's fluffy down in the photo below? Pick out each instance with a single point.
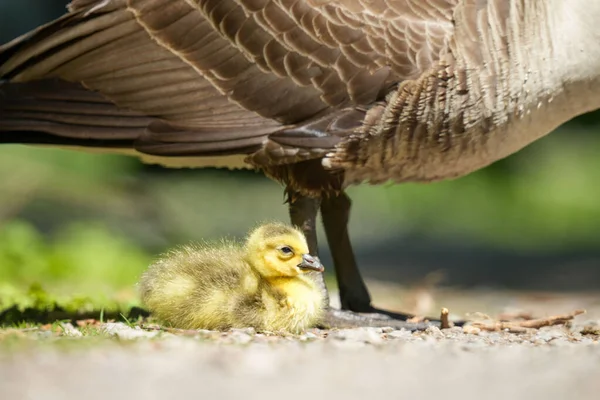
(262, 284)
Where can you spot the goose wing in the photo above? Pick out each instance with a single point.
(285, 79)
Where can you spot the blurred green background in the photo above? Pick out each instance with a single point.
(86, 225)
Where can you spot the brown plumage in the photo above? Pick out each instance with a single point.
(318, 94)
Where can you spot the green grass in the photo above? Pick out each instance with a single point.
(84, 270)
(84, 263)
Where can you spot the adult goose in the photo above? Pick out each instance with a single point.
(318, 94)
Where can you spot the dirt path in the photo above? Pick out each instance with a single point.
(552, 363)
(115, 361)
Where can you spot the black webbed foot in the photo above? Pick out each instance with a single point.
(335, 318)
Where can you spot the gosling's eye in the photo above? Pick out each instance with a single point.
(286, 250)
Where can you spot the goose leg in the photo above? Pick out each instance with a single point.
(354, 295)
(303, 214)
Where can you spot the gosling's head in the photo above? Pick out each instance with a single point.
(277, 250)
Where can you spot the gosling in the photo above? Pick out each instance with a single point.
(262, 284)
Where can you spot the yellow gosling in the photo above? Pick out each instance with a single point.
(262, 284)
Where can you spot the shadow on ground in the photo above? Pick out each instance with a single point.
(408, 261)
(31, 315)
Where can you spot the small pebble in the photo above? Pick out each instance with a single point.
(548, 335)
(307, 336)
(434, 331)
(471, 330)
(70, 330)
(239, 336)
(249, 331)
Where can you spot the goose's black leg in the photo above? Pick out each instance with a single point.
(303, 214)
(354, 295)
(335, 211)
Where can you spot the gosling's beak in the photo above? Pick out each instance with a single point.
(311, 263)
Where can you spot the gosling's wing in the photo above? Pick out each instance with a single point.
(279, 79)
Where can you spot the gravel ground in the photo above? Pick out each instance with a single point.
(119, 361)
